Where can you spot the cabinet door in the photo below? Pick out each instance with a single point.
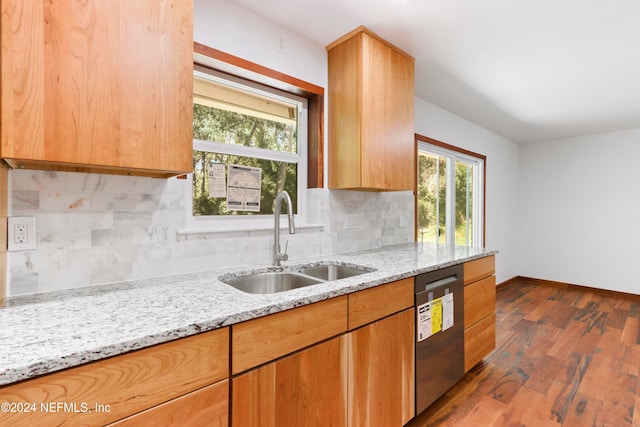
(304, 389)
(387, 117)
(104, 85)
(381, 390)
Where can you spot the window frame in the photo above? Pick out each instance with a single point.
(211, 59)
(214, 59)
(452, 154)
(299, 157)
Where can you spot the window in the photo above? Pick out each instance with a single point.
(256, 132)
(450, 194)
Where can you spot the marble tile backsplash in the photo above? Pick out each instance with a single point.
(94, 229)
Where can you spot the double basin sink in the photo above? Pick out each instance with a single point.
(268, 282)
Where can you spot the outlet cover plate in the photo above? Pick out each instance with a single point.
(21, 233)
(353, 221)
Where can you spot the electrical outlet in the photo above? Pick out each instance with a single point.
(353, 221)
(21, 234)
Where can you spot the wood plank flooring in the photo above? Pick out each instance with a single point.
(564, 357)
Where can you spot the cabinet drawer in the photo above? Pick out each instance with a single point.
(479, 269)
(375, 303)
(479, 340)
(206, 407)
(479, 300)
(264, 339)
(128, 384)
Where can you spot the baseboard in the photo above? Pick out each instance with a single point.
(507, 282)
(607, 292)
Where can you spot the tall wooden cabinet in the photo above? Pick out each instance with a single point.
(479, 310)
(97, 85)
(371, 103)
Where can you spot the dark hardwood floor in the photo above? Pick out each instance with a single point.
(564, 357)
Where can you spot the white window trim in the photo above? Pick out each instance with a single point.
(478, 189)
(209, 224)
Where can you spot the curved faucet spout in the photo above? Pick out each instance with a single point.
(277, 255)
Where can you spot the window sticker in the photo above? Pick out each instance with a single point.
(447, 311)
(424, 321)
(217, 180)
(243, 193)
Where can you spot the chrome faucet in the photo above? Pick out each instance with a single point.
(277, 256)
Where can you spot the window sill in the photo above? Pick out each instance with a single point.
(246, 229)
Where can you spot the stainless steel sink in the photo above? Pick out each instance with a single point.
(270, 282)
(333, 272)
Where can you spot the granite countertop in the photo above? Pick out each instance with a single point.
(44, 333)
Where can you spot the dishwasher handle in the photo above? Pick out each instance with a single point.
(428, 287)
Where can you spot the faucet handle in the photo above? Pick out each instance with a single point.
(286, 246)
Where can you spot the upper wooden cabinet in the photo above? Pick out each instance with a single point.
(97, 85)
(371, 98)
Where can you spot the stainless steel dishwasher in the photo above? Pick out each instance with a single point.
(439, 333)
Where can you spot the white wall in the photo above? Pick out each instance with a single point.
(502, 177)
(579, 203)
(233, 29)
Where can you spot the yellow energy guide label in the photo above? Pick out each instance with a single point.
(434, 316)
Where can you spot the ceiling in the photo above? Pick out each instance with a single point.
(528, 70)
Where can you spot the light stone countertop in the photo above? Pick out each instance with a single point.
(48, 332)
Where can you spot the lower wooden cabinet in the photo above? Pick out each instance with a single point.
(479, 310)
(208, 406)
(346, 361)
(364, 377)
(381, 380)
(306, 388)
(111, 389)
